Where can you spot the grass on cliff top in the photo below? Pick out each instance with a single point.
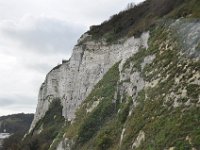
(134, 21)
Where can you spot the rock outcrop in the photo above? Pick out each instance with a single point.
(73, 80)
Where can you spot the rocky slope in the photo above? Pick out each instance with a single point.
(132, 82)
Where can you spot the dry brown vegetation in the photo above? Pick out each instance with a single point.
(142, 17)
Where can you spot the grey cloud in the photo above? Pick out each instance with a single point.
(19, 99)
(39, 67)
(46, 35)
(6, 102)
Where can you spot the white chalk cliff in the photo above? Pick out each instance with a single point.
(73, 80)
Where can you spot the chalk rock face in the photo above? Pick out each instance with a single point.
(73, 80)
(52, 87)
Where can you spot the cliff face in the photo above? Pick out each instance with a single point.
(118, 92)
(145, 100)
(73, 80)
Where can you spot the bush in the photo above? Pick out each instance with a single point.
(50, 125)
(134, 21)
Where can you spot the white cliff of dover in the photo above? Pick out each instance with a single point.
(73, 80)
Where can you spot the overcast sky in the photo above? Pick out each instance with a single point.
(35, 35)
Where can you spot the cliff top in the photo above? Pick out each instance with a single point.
(142, 17)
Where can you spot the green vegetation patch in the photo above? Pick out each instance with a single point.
(193, 91)
(143, 17)
(163, 127)
(136, 59)
(46, 130)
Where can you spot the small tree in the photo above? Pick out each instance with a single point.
(130, 5)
